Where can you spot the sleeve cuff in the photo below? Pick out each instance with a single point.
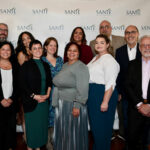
(139, 104)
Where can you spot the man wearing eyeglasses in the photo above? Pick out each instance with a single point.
(138, 91)
(116, 41)
(124, 55)
(3, 32)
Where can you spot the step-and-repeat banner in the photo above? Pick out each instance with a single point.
(46, 18)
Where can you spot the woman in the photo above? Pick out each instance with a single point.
(78, 36)
(69, 98)
(35, 84)
(55, 63)
(22, 49)
(8, 94)
(102, 99)
(23, 54)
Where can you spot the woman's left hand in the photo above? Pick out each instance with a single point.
(104, 107)
(75, 112)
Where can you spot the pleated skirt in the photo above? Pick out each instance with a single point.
(101, 123)
(70, 133)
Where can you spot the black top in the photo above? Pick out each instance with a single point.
(30, 82)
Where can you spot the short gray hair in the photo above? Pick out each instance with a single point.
(143, 37)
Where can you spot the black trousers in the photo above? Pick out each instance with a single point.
(138, 127)
(7, 130)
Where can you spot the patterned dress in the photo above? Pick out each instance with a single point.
(54, 70)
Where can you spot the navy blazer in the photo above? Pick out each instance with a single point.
(123, 60)
(30, 82)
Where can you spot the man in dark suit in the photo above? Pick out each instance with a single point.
(138, 92)
(116, 41)
(124, 55)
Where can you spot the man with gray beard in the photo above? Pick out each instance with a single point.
(3, 32)
(138, 93)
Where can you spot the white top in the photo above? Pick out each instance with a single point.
(132, 52)
(104, 71)
(7, 86)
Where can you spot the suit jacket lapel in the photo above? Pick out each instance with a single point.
(126, 54)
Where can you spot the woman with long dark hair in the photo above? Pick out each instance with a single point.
(78, 36)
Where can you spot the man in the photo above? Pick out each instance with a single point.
(3, 32)
(116, 41)
(138, 92)
(124, 55)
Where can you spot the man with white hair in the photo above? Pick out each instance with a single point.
(138, 92)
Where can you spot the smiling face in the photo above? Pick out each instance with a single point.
(3, 32)
(131, 35)
(78, 36)
(145, 47)
(26, 40)
(51, 48)
(36, 51)
(105, 28)
(73, 53)
(5, 52)
(101, 46)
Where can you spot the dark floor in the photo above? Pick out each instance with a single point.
(116, 144)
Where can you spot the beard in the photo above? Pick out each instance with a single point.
(2, 39)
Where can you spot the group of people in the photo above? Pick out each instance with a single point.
(57, 97)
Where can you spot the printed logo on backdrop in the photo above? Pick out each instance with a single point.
(56, 27)
(145, 28)
(73, 12)
(107, 12)
(131, 12)
(89, 27)
(25, 27)
(8, 11)
(43, 11)
(118, 28)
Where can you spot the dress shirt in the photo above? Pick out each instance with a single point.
(7, 83)
(145, 77)
(104, 71)
(132, 52)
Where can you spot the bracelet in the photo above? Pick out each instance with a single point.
(32, 95)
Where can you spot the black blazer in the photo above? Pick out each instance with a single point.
(30, 82)
(123, 60)
(133, 83)
(14, 94)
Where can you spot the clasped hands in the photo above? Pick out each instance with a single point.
(144, 109)
(41, 98)
(6, 102)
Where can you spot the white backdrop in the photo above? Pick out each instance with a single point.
(45, 18)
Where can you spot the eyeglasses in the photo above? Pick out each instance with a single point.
(5, 30)
(104, 27)
(145, 45)
(131, 32)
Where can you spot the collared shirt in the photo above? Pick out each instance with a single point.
(145, 77)
(132, 52)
